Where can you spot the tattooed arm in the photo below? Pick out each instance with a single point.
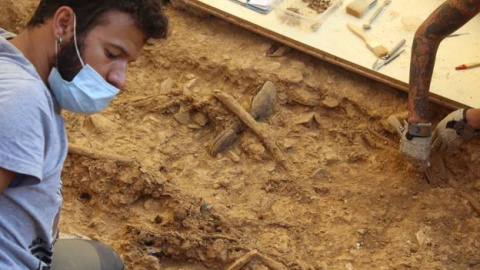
(445, 20)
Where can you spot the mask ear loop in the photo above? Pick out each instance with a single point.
(57, 44)
(75, 39)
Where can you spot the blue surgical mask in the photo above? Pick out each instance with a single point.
(88, 92)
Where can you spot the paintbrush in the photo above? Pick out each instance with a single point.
(467, 66)
(378, 49)
(358, 8)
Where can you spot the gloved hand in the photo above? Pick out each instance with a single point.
(451, 132)
(416, 149)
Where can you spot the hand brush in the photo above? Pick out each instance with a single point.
(378, 49)
(358, 8)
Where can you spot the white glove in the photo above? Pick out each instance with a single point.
(451, 132)
(416, 149)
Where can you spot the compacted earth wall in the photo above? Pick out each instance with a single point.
(316, 183)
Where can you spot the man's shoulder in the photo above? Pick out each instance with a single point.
(15, 79)
(13, 68)
(13, 64)
(18, 87)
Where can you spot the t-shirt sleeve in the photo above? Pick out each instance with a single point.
(22, 135)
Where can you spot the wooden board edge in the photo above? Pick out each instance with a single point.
(317, 53)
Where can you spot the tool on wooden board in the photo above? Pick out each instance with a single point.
(368, 25)
(358, 8)
(456, 35)
(378, 49)
(467, 66)
(394, 53)
(261, 6)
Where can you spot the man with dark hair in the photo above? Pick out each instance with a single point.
(417, 144)
(73, 55)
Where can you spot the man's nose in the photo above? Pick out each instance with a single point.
(118, 76)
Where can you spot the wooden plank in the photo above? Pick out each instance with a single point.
(335, 44)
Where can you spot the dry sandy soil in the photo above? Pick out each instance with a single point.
(140, 178)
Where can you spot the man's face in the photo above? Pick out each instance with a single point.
(108, 48)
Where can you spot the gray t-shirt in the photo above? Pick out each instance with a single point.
(33, 144)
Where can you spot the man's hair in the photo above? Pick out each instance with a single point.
(147, 14)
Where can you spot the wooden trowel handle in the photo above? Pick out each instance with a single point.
(357, 31)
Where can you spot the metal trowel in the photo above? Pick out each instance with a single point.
(436, 171)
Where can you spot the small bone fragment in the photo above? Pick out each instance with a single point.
(241, 262)
(245, 259)
(260, 131)
(81, 151)
(263, 105)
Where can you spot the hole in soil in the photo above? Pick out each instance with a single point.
(149, 243)
(85, 196)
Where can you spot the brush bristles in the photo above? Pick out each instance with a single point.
(380, 51)
(377, 48)
(354, 12)
(357, 8)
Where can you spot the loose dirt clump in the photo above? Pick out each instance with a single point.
(318, 5)
(140, 175)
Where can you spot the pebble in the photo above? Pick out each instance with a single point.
(270, 167)
(289, 143)
(182, 116)
(330, 102)
(330, 79)
(180, 214)
(190, 76)
(274, 65)
(477, 185)
(200, 119)
(234, 157)
(321, 173)
(206, 205)
(166, 86)
(152, 263)
(100, 123)
(331, 158)
(362, 231)
(305, 97)
(194, 126)
(191, 83)
(305, 119)
(167, 64)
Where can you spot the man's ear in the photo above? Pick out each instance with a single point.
(63, 21)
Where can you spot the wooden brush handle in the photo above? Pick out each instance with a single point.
(472, 65)
(357, 31)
